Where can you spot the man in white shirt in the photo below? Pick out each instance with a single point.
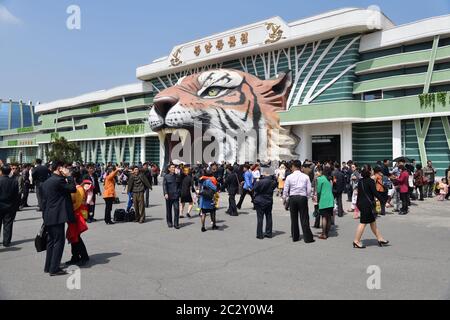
(297, 188)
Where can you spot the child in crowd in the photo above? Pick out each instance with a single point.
(443, 189)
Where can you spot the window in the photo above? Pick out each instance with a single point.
(4, 115)
(373, 95)
(16, 117)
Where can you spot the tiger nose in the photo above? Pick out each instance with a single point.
(163, 104)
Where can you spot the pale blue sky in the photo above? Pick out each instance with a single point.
(41, 60)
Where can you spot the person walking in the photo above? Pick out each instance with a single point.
(40, 174)
(263, 200)
(403, 185)
(80, 202)
(137, 184)
(109, 192)
(207, 191)
(325, 200)
(381, 189)
(9, 203)
(187, 186)
(297, 189)
(172, 192)
(338, 187)
(25, 174)
(232, 186)
(430, 176)
(280, 174)
(367, 193)
(155, 174)
(92, 176)
(57, 210)
(148, 174)
(419, 181)
(247, 187)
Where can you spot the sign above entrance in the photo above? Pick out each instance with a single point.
(262, 33)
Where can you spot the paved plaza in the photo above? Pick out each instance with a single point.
(150, 261)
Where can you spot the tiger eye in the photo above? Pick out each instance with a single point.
(212, 92)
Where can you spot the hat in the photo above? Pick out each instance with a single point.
(87, 181)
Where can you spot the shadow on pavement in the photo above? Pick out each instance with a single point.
(9, 249)
(186, 224)
(100, 258)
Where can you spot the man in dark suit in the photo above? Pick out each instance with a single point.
(91, 175)
(148, 174)
(263, 201)
(57, 210)
(338, 187)
(40, 175)
(232, 185)
(172, 192)
(9, 203)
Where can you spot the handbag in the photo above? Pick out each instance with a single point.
(40, 242)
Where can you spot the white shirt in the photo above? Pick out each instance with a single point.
(297, 184)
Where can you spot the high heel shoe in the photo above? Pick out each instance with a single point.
(383, 243)
(356, 246)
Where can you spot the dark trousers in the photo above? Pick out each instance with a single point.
(147, 196)
(38, 194)
(155, 180)
(91, 211)
(298, 206)
(232, 208)
(429, 189)
(139, 206)
(384, 199)
(317, 219)
(244, 193)
(338, 198)
(349, 193)
(404, 199)
(26, 192)
(108, 208)
(55, 247)
(79, 251)
(261, 212)
(420, 190)
(7, 220)
(175, 204)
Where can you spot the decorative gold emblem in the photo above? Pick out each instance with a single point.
(244, 38)
(197, 50)
(208, 47)
(275, 32)
(219, 45)
(176, 61)
(232, 42)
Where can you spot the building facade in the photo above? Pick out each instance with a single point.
(362, 89)
(17, 131)
(108, 125)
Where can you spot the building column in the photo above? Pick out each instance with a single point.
(396, 139)
(143, 150)
(347, 142)
(304, 148)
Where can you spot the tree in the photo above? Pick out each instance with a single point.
(63, 150)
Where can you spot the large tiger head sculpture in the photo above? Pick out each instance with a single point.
(228, 103)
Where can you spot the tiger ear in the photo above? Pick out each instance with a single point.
(278, 89)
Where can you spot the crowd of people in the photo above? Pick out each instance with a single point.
(67, 194)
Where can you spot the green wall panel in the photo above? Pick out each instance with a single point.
(372, 142)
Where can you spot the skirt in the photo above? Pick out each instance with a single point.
(366, 215)
(186, 198)
(326, 211)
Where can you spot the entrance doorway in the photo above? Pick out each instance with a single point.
(325, 148)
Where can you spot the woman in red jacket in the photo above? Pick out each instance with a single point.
(404, 189)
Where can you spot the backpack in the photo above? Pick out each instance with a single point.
(119, 215)
(207, 193)
(130, 216)
(387, 183)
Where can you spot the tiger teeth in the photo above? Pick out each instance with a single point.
(182, 133)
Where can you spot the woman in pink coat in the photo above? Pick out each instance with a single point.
(404, 189)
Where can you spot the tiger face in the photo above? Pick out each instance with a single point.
(226, 103)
